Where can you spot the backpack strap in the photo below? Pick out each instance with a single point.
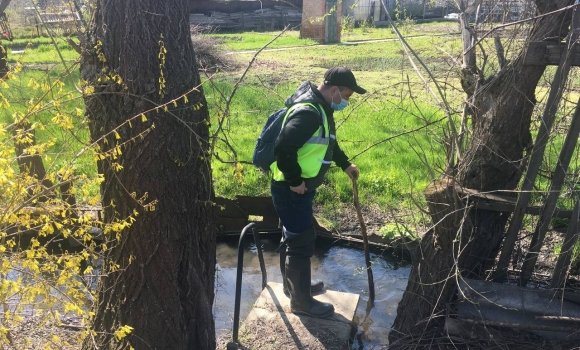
(318, 108)
(320, 114)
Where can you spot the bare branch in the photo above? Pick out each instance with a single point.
(236, 85)
(439, 96)
(395, 136)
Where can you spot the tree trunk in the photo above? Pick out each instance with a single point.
(432, 264)
(153, 152)
(3, 61)
(30, 163)
(493, 160)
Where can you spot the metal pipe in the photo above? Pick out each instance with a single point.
(260, 257)
(234, 344)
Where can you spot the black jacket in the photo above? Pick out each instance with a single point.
(300, 125)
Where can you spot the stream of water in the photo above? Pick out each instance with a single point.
(341, 268)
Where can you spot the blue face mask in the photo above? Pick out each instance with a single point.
(339, 106)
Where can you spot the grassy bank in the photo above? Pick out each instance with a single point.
(40, 50)
(371, 131)
(398, 108)
(394, 133)
(256, 40)
(47, 99)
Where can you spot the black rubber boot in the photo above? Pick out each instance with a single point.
(315, 286)
(298, 278)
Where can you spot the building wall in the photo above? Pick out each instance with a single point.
(315, 19)
(491, 10)
(363, 9)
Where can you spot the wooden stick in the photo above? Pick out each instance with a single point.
(363, 228)
(534, 164)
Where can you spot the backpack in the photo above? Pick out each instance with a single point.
(263, 155)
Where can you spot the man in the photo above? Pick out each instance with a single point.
(304, 151)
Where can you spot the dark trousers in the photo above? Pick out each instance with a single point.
(295, 211)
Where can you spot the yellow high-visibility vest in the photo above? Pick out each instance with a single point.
(311, 154)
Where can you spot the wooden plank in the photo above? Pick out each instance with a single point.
(561, 270)
(526, 326)
(228, 208)
(558, 179)
(225, 224)
(468, 192)
(270, 222)
(243, 206)
(235, 225)
(545, 53)
(537, 153)
(510, 207)
(497, 202)
(261, 206)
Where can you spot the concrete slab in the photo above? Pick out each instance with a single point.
(271, 324)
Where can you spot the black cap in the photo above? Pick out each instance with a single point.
(341, 76)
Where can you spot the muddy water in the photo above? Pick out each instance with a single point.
(340, 267)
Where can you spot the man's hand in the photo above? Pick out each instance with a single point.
(352, 172)
(299, 189)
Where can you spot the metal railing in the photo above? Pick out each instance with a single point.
(233, 345)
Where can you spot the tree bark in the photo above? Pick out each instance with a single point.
(494, 160)
(432, 281)
(3, 61)
(154, 161)
(30, 164)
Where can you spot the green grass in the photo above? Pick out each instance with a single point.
(43, 54)
(255, 41)
(575, 257)
(39, 50)
(397, 102)
(65, 143)
(386, 57)
(389, 170)
(33, 41)
(407, 28)
(393, 173)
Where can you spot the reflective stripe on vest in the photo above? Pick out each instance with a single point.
(311, 154)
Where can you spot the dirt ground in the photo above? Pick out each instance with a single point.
(35, 334)
(264, 335)
(546, 260)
